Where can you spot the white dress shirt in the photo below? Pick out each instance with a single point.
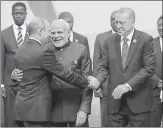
(23, 30)
(71, 36)
(129, 37)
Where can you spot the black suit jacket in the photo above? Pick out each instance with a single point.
(68, 101)
(33, 100)
(9, 47)
(97, 58)
(78, 38)
(139, 67)
(154, 80)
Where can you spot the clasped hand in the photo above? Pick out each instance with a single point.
(93, 83)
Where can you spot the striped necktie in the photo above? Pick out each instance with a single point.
(125, 49)
(20, 37)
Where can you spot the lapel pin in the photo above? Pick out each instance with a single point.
(75, 62)
(76, 40)
(134, 40)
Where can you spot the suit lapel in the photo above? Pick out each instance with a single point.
(118, 50)
(133, 46)
(158, 52)
(13, 38)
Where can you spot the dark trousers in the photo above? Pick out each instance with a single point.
(156, 112)
(124, 117)
(8, 104)
(104, 112)
(31, 124)
(68, 124)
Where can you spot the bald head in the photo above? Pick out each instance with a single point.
(36, 24)
(67, 16)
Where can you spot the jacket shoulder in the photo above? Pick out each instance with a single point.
(6, 31)
(143, 34)
(78, 46)
(80, 36)
(103, 34)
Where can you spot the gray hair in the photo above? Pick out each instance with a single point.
(129, 11)
(60, 22)
(37, 23)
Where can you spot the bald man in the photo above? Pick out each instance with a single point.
(128, 60)
(70, 106)
(32, 107)
(74, 37)
(102, 92)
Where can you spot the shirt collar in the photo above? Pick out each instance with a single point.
(36, 40)
(160, 38)
(23, 26)
(129, 37)
(113, 32)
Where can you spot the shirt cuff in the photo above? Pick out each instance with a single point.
(2, 86)
(128, 86)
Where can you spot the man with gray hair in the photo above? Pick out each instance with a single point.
(32, 107)
(71, 106)
(102, 92)
(128, 60)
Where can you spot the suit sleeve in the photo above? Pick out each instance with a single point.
(97, 57)
(148, 66)
(86, 68)
(87, 45)
(103, 67)
(154, 80)
(50, 63)
(2, 59)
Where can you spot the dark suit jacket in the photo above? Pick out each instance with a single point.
(139, 67)
(68, 101)
(78, 38)
(97, 58)
(9, 47)
(154, 80)
(33, 100)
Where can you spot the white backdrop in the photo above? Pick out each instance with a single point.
(93, 17)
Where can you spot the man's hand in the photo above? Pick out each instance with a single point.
(119, 91)
(160, 84)
(81, 118)
(3, 91)
(17, 74)
(93, 82)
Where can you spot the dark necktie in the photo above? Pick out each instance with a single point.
(125, 49)
(20, 37)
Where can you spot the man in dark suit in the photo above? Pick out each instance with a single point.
(11, 39)
(74, 37)
(129, 62)
(156, 79)
(102, 92)
(70, 106)
(32, 105)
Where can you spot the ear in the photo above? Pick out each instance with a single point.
(40, 31)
